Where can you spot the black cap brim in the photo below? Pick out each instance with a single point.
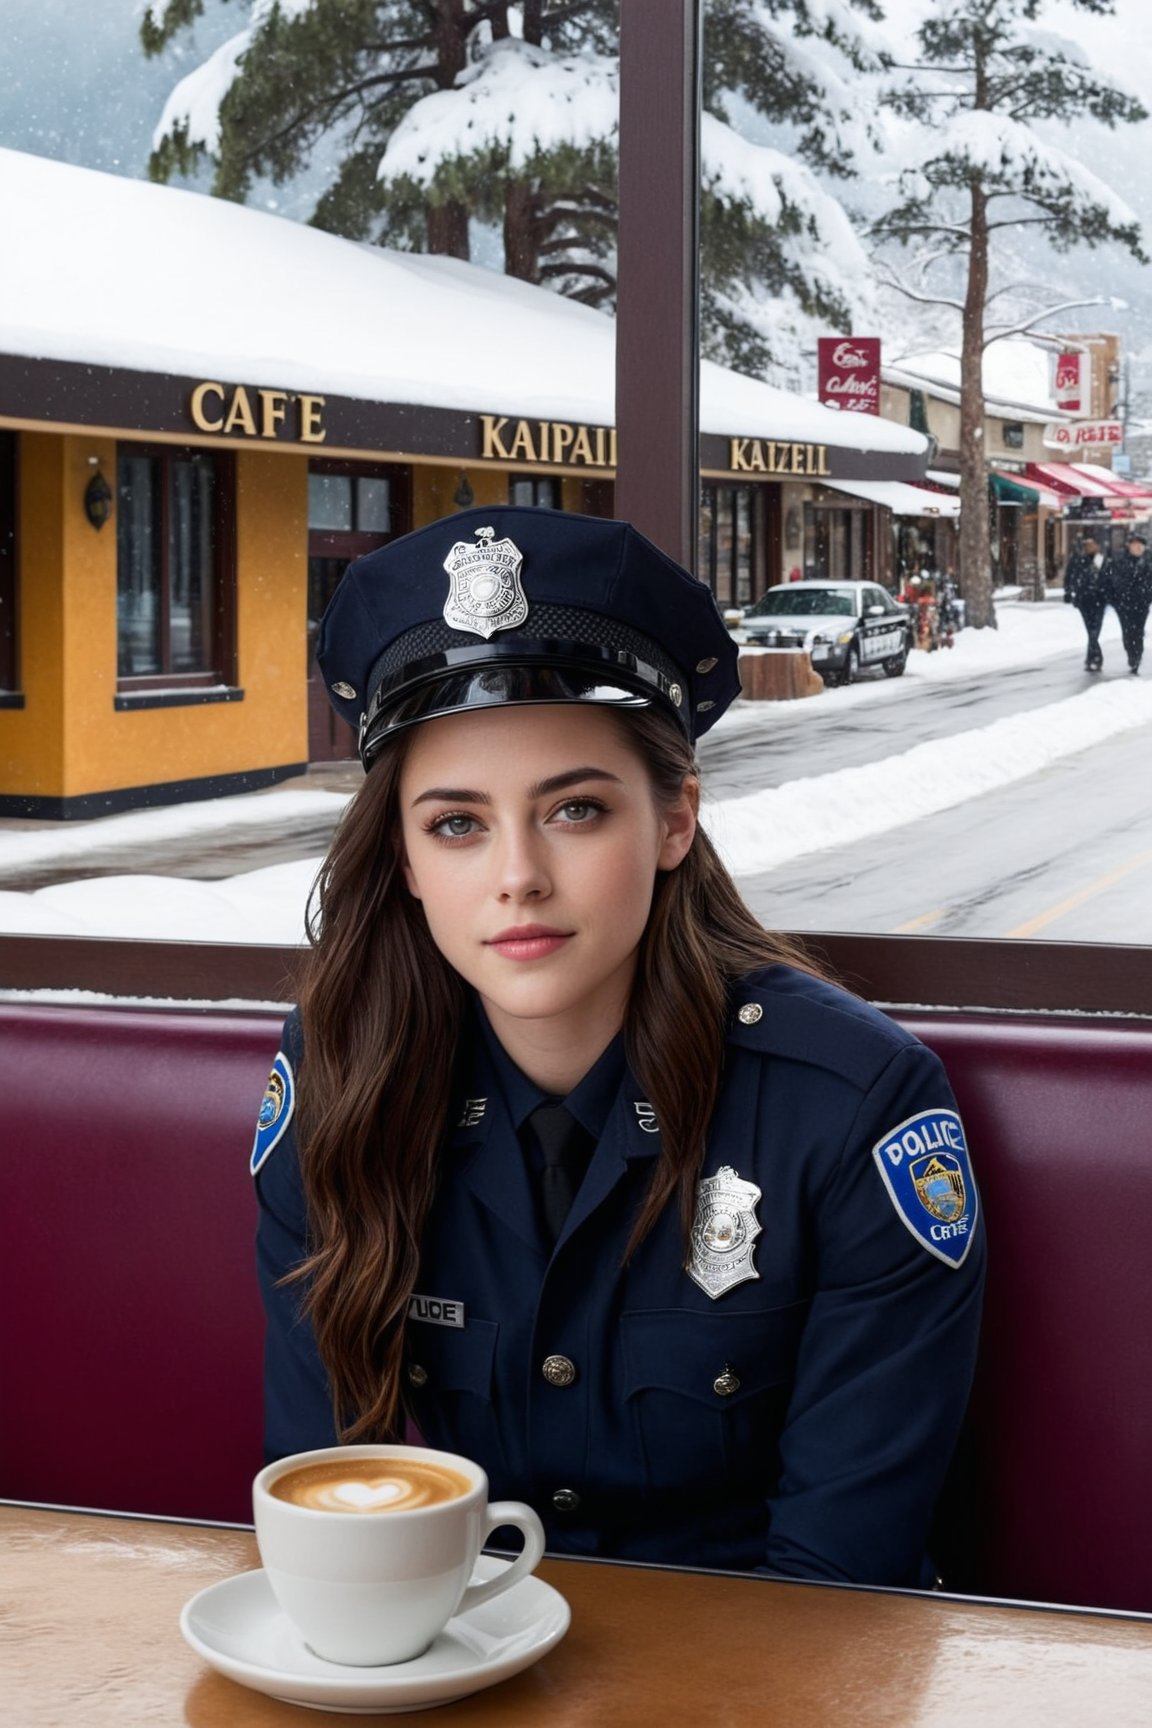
(501, 681)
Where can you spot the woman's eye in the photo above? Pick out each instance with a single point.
(580, 810)
(454, 827)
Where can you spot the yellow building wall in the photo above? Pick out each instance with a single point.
(69, 741)
(433, 490)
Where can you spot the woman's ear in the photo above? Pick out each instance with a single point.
(680, 821)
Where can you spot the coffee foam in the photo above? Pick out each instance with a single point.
(370, 1485)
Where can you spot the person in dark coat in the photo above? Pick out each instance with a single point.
(1132, 586)
(1088, 585)
(566, 1161)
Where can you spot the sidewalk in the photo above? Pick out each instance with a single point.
(101, 847)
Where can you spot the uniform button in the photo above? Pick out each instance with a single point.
(566, 1500)
(725, 1384)
(559, 1370)
(417, 1376)
(706, 665)
(750, 1013)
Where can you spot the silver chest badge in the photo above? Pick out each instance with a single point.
(485, 595)
(724, 1232)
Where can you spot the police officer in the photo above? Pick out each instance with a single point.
(1088, 585)
(565, 1161)
(1132, 587)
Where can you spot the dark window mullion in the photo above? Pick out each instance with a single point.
(165, 563)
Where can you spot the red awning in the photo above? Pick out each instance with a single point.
(1124, 500)
(1070, 480)
(1128, 489)
(1022, 482)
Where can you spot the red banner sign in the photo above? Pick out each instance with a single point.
(849, 373)
(1073, 379)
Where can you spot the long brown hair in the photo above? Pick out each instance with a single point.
(381, 1011)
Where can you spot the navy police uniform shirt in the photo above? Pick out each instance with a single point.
(788, 1400)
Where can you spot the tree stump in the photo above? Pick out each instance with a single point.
(778, 675)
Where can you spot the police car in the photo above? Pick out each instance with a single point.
(845, 627)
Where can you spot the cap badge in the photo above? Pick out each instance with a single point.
(485, 593)
(724, 1232)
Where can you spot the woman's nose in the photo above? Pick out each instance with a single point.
(522, 871)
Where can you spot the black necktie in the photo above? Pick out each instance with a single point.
(563, 1143)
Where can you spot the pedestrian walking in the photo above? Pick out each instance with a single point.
(1088, 585)
(1132, 584)
(565, 1159)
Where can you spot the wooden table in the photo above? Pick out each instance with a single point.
(89, 1639)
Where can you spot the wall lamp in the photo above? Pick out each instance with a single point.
(97, 496)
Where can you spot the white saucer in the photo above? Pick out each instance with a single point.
(238, 1628)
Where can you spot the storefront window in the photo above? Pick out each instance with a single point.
(169, 538)
(838, 544)
(731, 542)
(9, 670)
(544, 493)
(349, 503)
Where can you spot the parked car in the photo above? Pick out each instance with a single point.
(844, 626)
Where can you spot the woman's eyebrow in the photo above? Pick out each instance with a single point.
(574, 777)
(540, 789)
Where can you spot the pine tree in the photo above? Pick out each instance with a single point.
(981, 173)
(434, 113)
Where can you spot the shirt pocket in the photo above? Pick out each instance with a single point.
(708, 1392)
(448, 1375)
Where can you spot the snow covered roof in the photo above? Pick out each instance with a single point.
(114, 272)
(1017, 381)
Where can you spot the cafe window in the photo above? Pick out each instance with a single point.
(543, 493)
(9, 665)
(174, 548)
(731, 542)
(1012, 433)
(341, 501)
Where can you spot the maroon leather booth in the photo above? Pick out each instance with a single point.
(130, 1324)
(130, 1334)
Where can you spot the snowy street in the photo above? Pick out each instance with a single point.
(995, 790)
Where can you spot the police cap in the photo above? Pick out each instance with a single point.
(524, 606)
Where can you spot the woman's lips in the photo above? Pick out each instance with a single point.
(528, 942)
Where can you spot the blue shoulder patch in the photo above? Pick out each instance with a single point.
(275, 1111)
(924, 1163)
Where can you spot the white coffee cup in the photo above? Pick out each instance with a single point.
(374, 1584)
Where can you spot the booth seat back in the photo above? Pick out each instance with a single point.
(130, 1329)
(1059, 1443)
(130, 1323)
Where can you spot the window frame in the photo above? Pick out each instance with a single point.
(10, 671)
(223, 646)
(354, 543)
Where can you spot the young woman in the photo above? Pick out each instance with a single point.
(567, 1161)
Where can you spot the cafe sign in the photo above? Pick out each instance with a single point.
(558, 442)
(778, 456)
(266, 415)
(1084, 435)
(848, 373)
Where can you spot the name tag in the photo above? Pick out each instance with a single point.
(436, 1311)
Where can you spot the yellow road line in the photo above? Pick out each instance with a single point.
(921, 923)
(1089, 893)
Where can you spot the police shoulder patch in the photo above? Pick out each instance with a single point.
(276, 1109)
(924, 1164)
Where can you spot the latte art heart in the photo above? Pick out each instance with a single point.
(361, 1496)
